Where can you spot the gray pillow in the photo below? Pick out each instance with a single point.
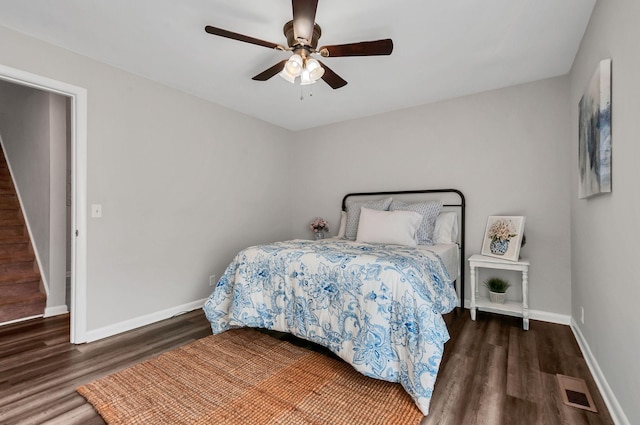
(429, 212)
(353, 213)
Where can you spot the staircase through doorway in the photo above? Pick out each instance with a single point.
(22, 292)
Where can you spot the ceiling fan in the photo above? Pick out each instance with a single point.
(302, 35)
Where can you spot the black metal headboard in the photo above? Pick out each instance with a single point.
(460, 204)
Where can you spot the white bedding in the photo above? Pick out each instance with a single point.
(450, 254)
(379, 307)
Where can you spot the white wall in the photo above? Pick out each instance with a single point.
(505, 149)
(58, 233)
(604, 228)
(183, 184)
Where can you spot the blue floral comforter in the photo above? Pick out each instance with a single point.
(376, 306)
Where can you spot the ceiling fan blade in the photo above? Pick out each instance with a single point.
(268, 73)
(304, 18)
(364, 48)
(331, 78)
(240, 37)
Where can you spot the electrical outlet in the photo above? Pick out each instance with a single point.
(582, 315)
(212, 280)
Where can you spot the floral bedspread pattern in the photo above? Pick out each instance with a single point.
(376, 306)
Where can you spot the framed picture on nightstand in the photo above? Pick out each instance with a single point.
(503, 237)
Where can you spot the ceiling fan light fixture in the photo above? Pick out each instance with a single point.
(302, 34)
(292, 68)
(287, 76)
(314, 69)
(305, 78)
(294, 65)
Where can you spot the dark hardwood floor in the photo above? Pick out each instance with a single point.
(492, 372)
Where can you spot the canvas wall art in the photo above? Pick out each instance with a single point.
(594, 144)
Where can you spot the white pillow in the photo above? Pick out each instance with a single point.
(429, 211)
(353, 213)
(343, 224)
(393, 227)
(446, 230)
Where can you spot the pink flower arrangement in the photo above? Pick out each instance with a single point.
(502, 230)
(319, 225)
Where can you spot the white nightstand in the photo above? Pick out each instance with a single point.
(509, 307)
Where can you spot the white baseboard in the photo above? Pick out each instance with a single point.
(544, 316)
(56, 311)
(138, 322)
(617, 414)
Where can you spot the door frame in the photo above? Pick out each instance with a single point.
(78, 231)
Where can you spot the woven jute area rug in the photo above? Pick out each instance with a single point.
(243, 376)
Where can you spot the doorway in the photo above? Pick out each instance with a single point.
(78, 191)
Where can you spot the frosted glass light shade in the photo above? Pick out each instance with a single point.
(284, 74)
(314, 69)
(308, 69)
(305, 78)
(294, 65)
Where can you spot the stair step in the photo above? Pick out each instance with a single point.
(19, 311)
(28, 298)
(4, 240)
(9, 213)
(7, 248)
(17, 266)
(20, 289)
(10, 221)
(9, 201)
(24, 277)
(11, 231)
(16, 257)
(7, 190)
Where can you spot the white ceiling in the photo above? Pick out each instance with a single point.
(442, 48)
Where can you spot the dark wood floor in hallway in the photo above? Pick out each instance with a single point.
(492, 373)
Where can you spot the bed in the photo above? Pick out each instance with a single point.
(373, 301)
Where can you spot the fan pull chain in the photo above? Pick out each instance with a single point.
(302, 92)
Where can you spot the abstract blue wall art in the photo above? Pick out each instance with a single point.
(594, 144)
